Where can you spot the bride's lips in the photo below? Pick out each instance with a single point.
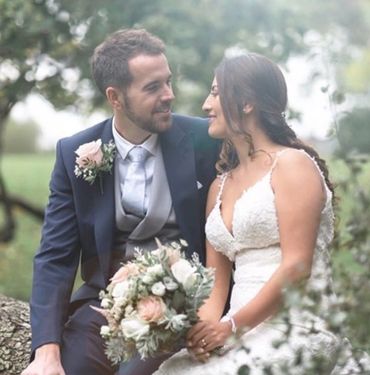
(211, 118)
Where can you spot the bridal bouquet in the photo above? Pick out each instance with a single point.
(152, 301)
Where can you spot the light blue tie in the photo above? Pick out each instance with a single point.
(134, 187)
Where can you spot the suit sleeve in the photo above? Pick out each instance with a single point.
(56, 261)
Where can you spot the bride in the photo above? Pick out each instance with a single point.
(270, 215)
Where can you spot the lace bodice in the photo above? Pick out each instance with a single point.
(255, 224)
(254, 244)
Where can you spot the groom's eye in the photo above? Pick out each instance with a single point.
(152, 88)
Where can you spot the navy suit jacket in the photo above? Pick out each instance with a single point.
(80, 220)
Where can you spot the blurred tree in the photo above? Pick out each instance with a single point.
(356, 74)
(37, 46)
(45, 44)
(21, 138)
(352, 246)
(354, 131)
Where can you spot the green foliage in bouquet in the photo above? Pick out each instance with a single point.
(152, 302)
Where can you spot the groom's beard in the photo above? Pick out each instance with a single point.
(158, 121)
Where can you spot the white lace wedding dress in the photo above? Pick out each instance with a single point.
(254, 247)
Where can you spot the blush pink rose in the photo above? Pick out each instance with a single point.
(89, 154)
(130, 269)
(151, 308)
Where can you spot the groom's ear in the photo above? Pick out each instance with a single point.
(114, 97)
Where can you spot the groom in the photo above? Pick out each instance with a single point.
(157, 187)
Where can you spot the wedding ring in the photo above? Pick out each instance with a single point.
(203, 342)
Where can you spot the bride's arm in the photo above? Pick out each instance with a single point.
(211, 312)
(214, 306)
(299, 199)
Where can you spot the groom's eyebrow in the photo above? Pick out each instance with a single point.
(157, 82)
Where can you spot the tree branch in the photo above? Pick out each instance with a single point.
(18, 202)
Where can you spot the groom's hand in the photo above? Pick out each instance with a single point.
(47, 361)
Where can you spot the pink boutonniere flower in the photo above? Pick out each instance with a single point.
(93, 159)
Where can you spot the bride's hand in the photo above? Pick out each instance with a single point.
(206, 336)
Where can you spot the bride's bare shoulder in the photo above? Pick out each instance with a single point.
(297, 167)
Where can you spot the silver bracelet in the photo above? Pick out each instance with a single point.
(233, 325)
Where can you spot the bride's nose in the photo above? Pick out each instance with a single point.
(206, 107)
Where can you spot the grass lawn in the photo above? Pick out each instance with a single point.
(26, 176)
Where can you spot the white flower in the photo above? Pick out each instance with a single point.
(147, 278)
(183, 272)
(120, 289)
(169, 283)
(178, 322)
(175, 245)
(134, 328)
(158, 289)
(183, 243)
(156, 270)
(104, 330)
(190, 281)
(105, 303)
(119, 302)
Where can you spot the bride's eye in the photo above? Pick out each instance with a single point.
(214, 91)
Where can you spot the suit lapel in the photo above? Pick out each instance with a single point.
(105, 212)
(179, 161)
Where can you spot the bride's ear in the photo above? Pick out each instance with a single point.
(248, 108)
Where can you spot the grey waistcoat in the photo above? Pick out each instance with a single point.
(159, 222)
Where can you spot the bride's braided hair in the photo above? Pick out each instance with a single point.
(254, 79)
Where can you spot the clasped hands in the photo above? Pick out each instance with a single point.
(205, 337)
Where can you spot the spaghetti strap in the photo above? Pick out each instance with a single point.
(223, 178)
(314, 162)
(278, 154)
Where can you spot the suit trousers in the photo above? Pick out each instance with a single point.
(82, 347)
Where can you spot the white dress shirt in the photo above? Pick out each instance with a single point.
(151, 144)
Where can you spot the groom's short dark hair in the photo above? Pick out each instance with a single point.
(109, 63)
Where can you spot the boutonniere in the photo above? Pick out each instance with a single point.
(93, 159)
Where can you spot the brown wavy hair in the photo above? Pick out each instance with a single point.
(254, 79)
(110, 60)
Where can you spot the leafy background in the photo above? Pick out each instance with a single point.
(45, 47)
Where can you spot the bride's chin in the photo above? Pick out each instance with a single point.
(215, 134)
